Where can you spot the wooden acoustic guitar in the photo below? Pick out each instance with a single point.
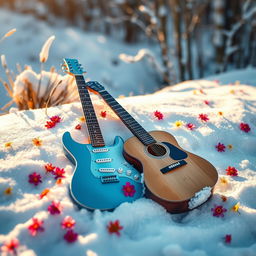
(102, 178)
(173, 177)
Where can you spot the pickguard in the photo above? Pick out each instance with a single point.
(118, 165)
(175, 153)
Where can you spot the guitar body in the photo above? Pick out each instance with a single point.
(99, 185)
(174, 177)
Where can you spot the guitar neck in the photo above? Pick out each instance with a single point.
(128, 120)
(89, 113)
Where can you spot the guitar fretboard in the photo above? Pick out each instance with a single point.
(89, 113)
(128, 120)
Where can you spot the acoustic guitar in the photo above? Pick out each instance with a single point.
(102, 178)
(173, 177)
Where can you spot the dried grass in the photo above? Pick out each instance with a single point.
(29, 98)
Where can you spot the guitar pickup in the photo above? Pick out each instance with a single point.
(109, 179)
(106, 170)
(100, 150)
(103, 160)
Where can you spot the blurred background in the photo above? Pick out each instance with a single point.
(133, 47)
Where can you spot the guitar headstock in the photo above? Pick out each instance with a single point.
(72, 67)
(95, 86)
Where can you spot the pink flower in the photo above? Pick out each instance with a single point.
(207, 102)
(59, 173)
(55, 119)
(218, 210)
(114, 227)
(36, 226)
(245, 127)
(68, 223)
(54, 208)
(220, 147)
(34, 178)
(128, 189)
(190, 126)
(70, 236)
(50, 124)
(158, 115)
(203, 117)
(49, 168)
(10, 246)
(232, 171)
(228, 239)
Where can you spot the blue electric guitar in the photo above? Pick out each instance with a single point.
(102, 178)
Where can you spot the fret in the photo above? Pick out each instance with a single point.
(93, 127)
(129, 121)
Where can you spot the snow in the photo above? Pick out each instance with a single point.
(147, 228)
(200, 197)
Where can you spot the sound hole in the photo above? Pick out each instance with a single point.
(156, 150)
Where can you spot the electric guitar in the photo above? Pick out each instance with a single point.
(173, 177)
(102, 178)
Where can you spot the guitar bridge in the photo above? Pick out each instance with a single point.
(173, 166)
(109, 179)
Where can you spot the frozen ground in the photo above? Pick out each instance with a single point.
(147, 228)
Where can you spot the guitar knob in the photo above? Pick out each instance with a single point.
(136, 177)
(120, 170)
(128, 172)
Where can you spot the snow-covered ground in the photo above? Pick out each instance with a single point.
(147, 228)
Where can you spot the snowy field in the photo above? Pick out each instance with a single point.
(229, 111)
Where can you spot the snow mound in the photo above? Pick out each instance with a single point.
(147, 228)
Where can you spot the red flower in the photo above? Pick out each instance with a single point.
(228, 239)
(103, 114)
(203, 117)
(190, 126)
(55, 119)
(36, 226)
(220, 147)
(158, 115)
(68, 223)
(59, 173)
(128, 189)
(245, 127)
(218, 210)
(34, 178)
(50, 124)
(224, 198)
(54, 208)
(70, 236)
(207, 102)
(78, 127)
(232, 171)
(114, 227)
(10, 246)
(49, 168)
